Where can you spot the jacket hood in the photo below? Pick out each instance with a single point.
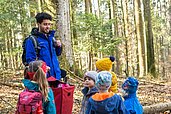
(30, 85)
(106, 106)
(130, 85)
(90, 92)
(36, 32)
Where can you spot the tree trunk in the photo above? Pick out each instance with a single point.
(63, 28)
(149, 37)
(74, 37)
(170, 16)
(115, 31)
(39, 6)
(125, 19)
(87, 6)
(141, 38)
(169, 20)
(90, 6)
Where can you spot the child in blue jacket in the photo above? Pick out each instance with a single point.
(36, 80)
(89, 89)
(105, 102)
(131, 102)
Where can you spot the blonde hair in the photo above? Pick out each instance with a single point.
(39, 77)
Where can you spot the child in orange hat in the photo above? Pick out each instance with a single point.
(105, 64)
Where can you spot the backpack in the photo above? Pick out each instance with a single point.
(29, 102)
(36, 47)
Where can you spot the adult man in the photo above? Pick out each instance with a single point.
(49, 48)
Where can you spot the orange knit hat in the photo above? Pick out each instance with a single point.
(105, 63)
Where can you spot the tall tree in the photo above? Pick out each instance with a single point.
(88, 9)
(126, 32)
(39, 5)
(63, 28)
(115, 30)
(149, 38)
(170, 16)
(88, 6)
(140, 38)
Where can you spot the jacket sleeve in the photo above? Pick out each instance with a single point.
(88, 111)
(122, 109)
(58, 50)
(30, 51)
(49, 106)
(133, 106)
(114, 86)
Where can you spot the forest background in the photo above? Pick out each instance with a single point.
(136, 32)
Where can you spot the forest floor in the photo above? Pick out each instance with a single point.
(150, 91)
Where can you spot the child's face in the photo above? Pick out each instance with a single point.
(88, 82)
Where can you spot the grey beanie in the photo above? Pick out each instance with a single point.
(91, 74)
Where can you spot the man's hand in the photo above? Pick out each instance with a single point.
(58, 43)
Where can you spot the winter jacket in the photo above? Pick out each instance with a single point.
(132, 104)
(47, 52)
(106, 103)
(49, 106)
(87, 94)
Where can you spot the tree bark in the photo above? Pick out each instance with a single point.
(63, 28)
(115, 31)
(141, 38)
(87, 6)
(149, 37)
(170, 16)
(39, 5)
(125, 19)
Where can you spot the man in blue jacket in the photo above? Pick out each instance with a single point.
(49, 48)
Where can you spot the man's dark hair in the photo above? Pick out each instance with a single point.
(42, 16)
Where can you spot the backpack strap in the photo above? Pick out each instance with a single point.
(36, 45)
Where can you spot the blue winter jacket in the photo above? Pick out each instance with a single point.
(111, 105)
(47, 52)
(87, 94)
(132, 104)
(49, 106)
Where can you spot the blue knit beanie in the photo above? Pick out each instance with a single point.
(103, 80)
(130, 85)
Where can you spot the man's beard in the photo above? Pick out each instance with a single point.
(44, 31)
